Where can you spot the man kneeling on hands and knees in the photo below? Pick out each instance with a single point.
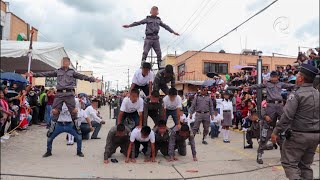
(118, 136)
(162, 134)
(178, 141)
(141, 136)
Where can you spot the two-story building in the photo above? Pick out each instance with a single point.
(191, 68)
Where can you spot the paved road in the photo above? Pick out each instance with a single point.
(22, 155)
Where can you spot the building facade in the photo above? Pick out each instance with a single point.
(13, 27)
(191, 69)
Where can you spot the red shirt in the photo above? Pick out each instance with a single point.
(244, 111)
(50, 100)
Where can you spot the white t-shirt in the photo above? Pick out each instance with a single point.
(172, 105)
(183, 118)
(92, 114)
(266, 76)
(82, 116)
(64, 115)
(140, 80)
(217, 119)
(136, 135)
(129, 107)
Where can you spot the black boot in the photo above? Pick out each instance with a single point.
(259, 158)
(47, 154)
(249, 146)
(80, 154)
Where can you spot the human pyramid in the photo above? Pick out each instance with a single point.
(293, 127)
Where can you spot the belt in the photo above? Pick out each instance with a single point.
(65, 90)
(274, 102)
(316, 131)
(64, 123)
(226, 110)
(205, 112)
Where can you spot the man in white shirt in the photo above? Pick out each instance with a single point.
(84, 121)
(142, 79)
(131, 107)
(96, 121)
(64, 124)
(141, 136)
(172, 106)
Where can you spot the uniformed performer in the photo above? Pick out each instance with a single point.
(253, 130)
(163, 77)
(203, 105)
(178, 141)
(274, 88)
(301, 123)
(153, 107)
(118, 136)
(65, 88)
(161, 132)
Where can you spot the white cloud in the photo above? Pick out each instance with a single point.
(93, 28)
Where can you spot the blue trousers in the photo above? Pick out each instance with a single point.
(97, 127)
(67, 128)
(173, 114)
(214, 130)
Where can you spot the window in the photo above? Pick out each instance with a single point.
(263, 66)
(219, 68)
(181, 71)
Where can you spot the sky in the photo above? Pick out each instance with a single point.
(92, 32)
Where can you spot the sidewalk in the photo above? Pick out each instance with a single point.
(22, 155)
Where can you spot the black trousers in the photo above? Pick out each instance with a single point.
(35, 115)
(137, 148)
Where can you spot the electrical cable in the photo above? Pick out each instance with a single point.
(232, 29)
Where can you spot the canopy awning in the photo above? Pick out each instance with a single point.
(45, 56)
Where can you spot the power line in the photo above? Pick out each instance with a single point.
(232, 29)
(180, 29)
(197, 25)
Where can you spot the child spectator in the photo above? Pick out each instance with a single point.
(215, 124)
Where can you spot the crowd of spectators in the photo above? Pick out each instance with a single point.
(23, 105)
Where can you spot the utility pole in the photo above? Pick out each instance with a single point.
(101, 85)
(128, 79)
(117, 86)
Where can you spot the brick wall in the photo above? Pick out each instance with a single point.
(196, 63)
(17, 26)
(3, 6)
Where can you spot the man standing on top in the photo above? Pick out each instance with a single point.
(143, 79)
(163, 77)
(301, 116)
(152, 29)
(203, 106)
